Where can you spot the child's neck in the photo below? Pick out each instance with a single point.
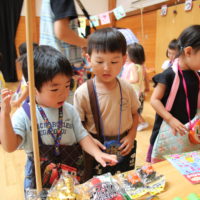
(129, 62)
(105, 85)
(183, 65)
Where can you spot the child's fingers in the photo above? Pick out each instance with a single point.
(126, 150)
(182, 130)
(174, 132)
(7, 98)
(124, 143)
(179, 131)
(122, 146)
(100, 145)
(6, 92)
(108, 159)
(102, 162)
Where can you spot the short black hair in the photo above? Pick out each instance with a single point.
(189, 37)
(173, 45)
(136, 53)
(107, 40)
(48, 62)
(23, 48)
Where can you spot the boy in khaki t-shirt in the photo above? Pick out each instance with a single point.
(106, 56)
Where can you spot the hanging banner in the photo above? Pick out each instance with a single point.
(81, 32)
(104, 18)
(82, 21)
(95, 20)
(188, 5)
(163, 10)
(119, 12)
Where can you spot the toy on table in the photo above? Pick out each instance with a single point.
(141, 181)
(194, 133)
(146, 173)
(141, 176)
(62, 189)
(134, 179)
(103, 187)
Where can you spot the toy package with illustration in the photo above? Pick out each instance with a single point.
(144, 180)
(103, 187)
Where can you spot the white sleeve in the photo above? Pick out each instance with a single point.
(21, 126)
(165, 65)
(79, 130)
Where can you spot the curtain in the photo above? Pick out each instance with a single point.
(10, 11)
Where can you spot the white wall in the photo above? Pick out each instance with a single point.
(92, 6)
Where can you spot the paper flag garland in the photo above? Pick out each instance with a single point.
(119, 12)
(81, 31)
(82, 21)
(95, 20)
(104, 18)
(163, 10)
(188, 5)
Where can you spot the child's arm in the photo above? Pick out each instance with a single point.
(91, 148)
(97, 142)
(22, 97)
(156, 103)
(128, 141)
(9, 140)
(146, 79)
(134, 76)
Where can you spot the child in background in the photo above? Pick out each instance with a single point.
(134, 73)
(189, 61)
(52, 81)
(79, 77)
(171, 54)
(86, 64)
(22, 91)
(116, 100)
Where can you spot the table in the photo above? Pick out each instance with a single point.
(176, 183)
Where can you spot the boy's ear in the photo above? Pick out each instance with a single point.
(36, 91)
(188, 51)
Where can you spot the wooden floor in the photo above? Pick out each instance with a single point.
(12, 164)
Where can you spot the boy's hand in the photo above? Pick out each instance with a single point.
(6, 98)
(177, 126)
(106, 159)
(127, 144)
(98, 143)
(16, 103)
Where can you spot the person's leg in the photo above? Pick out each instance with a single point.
(142, 123)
